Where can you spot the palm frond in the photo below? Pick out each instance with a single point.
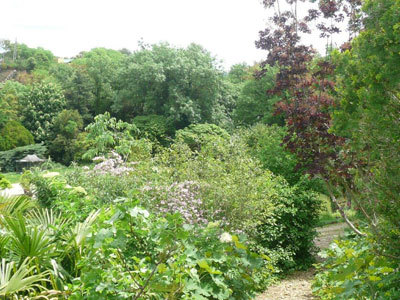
(3, 243)
(14, 281)
(16, 204)
(81, 230)
(47, 219)
(28, 241)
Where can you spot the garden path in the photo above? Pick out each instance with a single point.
(15, 190)
(298, 285)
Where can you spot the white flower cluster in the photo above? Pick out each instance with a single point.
(225, 238)
(113, 164)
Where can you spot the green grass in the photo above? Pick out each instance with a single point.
(328, 216)
(13, 177)
(326, 219)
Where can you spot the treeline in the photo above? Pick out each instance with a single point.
(158, 86)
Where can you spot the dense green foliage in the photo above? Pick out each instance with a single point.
(106, 134)
(198, 135)
(354, 271)
(11, 93)
(64, 146)
(160, 250)
(40, 107)
(254, 104)
(78, 88)
(369, 80)
(13, 135)
(180, 83)
(120, 251)
(102, 66)
(200, 183)
(28, 58)
(287, 235)
(207, 187)
(156, 128)
(265, 143)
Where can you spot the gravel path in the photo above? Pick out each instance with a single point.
(298, 285)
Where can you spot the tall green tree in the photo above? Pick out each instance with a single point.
(78, 87)
(183, 84)
(41, 106)
(11, 93)
(102, 66)
(254, 104)
(66, 129)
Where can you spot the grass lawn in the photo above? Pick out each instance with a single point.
(12, 177)
(15, 177)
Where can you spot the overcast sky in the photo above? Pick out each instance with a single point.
(227, 28)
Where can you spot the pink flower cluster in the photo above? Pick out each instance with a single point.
(113, 165)
(182, 198)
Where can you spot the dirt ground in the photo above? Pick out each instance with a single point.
(298, 285)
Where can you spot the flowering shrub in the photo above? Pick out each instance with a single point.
(183, 198)
(113, 165)
(279, 219)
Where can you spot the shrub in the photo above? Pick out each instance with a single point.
(265, 143)
(13, 135)
(287, 235)
(110, 178)
(4, 183)
(156, 128)
(183, 198)
(354, 270)
(197, 135)
(279, 218)
(113, 165)
(136, 255)
(8, 158)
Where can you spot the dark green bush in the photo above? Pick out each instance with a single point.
(13, 135)
(155, 127)
(287, 234)
(8, 158)
(64, 144)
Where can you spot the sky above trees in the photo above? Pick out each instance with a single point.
(227, 28)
